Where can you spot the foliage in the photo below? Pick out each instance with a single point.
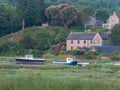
(116, 35)
(96, 3)
(8, 18)
(63, 14)
(100, 29)
(115, 56)
(39, 40)
(34, 77)
(86, 12)
(27, 42)
(76, 52)
(30, 10)
(102, 13)
(91, 55)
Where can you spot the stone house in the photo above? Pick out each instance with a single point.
(77, 40)
(112, 21)
(106, 38)
(93, 22)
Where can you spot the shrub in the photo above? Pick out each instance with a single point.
(76, 52)
(115, 56)
(90, 55)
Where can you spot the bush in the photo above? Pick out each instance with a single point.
(76, 52)
(90, 55)
(115, 56)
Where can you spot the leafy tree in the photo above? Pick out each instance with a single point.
(31, 11)
(8, 18)
(42, 40)
(116, 35)
(63, 14)
(27, 42)
(102, 13)
(61, 36)
(86, 12)
(69, 15)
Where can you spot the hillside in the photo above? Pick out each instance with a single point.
(8, 1)
(38, 39)
(79, 3)
(96, 3)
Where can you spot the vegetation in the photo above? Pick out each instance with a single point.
(64, 15)
(116, 35)
(35, 12)
(41, 40)
(96, 76)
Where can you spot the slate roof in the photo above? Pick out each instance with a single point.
(81, 35)
(105, 35)
(94, 22)
(107, 49)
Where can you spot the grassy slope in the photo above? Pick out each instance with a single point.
(14, 37)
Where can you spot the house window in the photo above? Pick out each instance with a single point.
(98, 41)
(91, 41)
(71, 41)
(71, 47)
(84, 41)
(78, 41)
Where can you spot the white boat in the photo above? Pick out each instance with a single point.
(28, 59)
(69, 61)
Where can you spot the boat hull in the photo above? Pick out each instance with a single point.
(65, 63)
(29, 61)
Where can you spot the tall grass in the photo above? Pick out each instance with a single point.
(58, 77)
(30, 82)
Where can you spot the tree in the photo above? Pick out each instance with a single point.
(87, 11)
(102, 13)
(31, 11)
(116, 35)
(63, 14)
(69, 15)
(8, 18)
(62, 34)
(27, 42)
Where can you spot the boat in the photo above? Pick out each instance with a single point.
(69, 61)
(28, 59)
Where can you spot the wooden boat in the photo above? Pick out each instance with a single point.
(69, 61)
(28, 59)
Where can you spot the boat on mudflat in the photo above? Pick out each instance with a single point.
(28, 59)
(69, 61)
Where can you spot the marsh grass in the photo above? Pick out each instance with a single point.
(33, 82)
(95, 76)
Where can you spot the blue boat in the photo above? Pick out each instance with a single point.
(28, 59)
(69, 61)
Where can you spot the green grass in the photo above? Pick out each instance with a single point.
(95, 76)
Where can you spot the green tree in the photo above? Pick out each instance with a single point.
(63, 14)
(8, 18)
(30, 10)
(42, 40)
(61, 37)
(102, 13)
(87, 11)
(27, 42)
(116, 35)
(69, 15)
